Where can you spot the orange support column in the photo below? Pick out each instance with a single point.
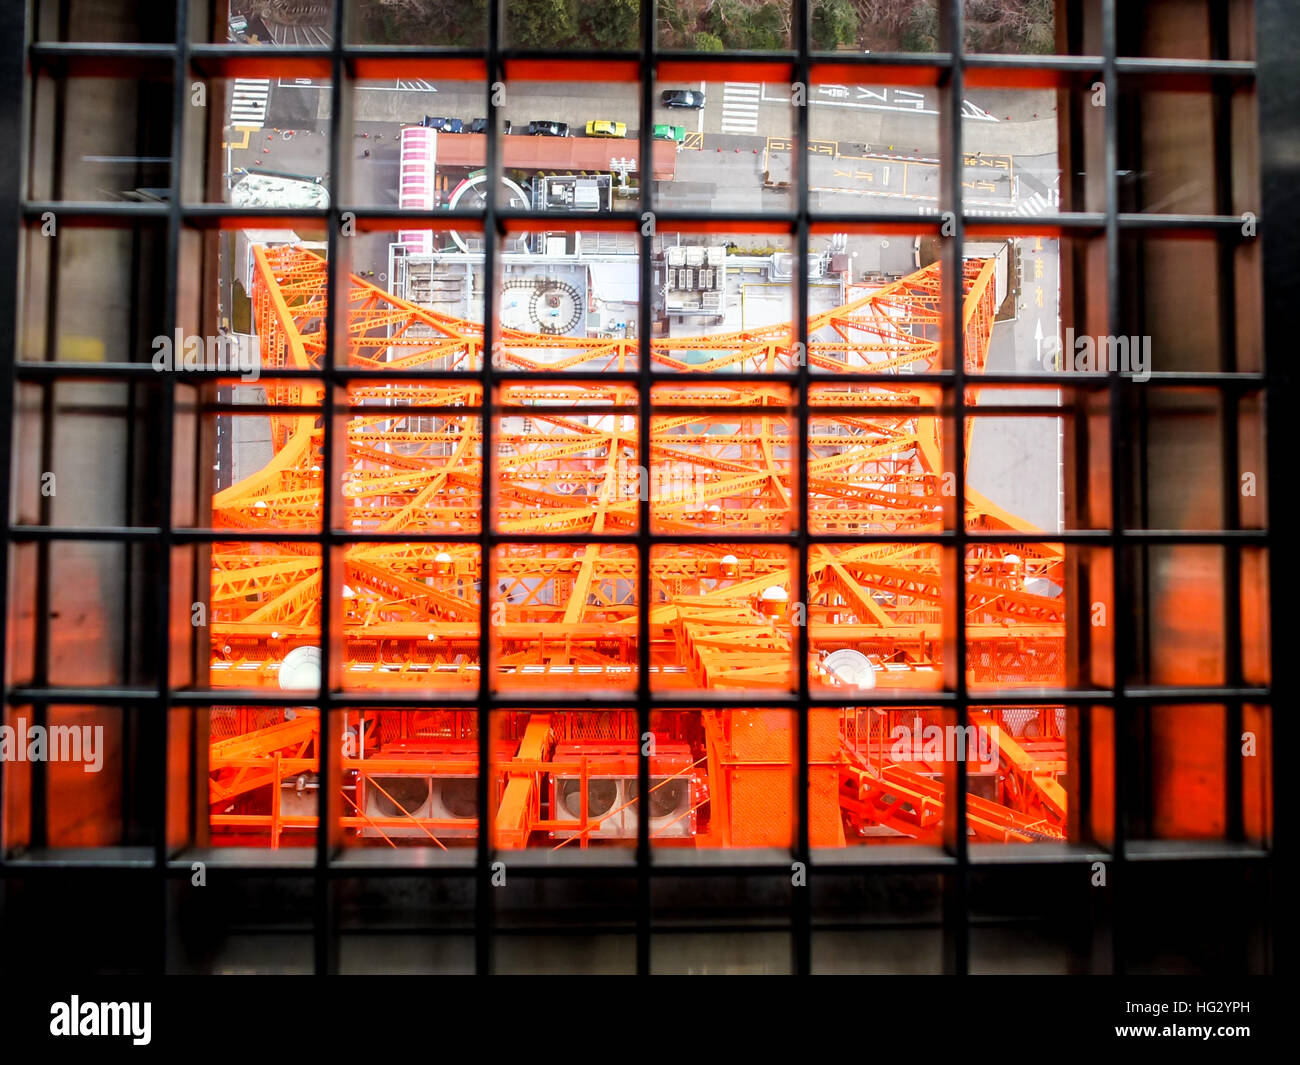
(825, 822)
(519, 800)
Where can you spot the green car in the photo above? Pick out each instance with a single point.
(670, 133)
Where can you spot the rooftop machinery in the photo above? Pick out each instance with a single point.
(724, 611)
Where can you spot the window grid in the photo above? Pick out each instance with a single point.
(1126, 700)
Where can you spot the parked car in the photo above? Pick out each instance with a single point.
(444, 125)
(605, 128)
(479, 125)
(688, 98)
(665, 132)
(548, 129)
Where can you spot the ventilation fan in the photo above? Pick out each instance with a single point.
(448, 796)
(670, 806)
(455, 799)
(612, 790)
(604, 795)
(396, 796)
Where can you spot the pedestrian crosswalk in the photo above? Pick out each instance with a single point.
(248, 99)
(1035, 204)
(740, 100)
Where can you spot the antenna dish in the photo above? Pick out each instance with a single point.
(301, 669)
(851, 668)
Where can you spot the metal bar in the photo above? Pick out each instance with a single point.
(325, 945)
(1279, 114)
(950, 69)
(801, 23)
(12, 87)
(956, 901)
(483, 904)
(645, 319)
(1120, 591)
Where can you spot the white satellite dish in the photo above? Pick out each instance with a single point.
(851, 668)
(301, 669)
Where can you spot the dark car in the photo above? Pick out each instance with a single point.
(479, 125)
(683, 98)
(444, 125)
(548, 129)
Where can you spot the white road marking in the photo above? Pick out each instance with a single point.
(248, 99)
(907, 103)
(400, 85)
(740, 100)
(1036, 204)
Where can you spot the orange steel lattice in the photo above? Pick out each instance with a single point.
(722, 612)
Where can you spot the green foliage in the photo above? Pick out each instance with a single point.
(674, 22)
(766, 29)
(541, 23)
(613, 23)
(707, 42)
(723, 16)
(747, 28)
(922, 32)
(452, 22)
(1010, 26)
(1041, 35)
(1041, 39)
(600, 25)
(834, 22)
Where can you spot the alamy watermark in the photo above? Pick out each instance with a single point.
(78, 1018)
(56, 743)
(945, 743)
(1129, 355)
(223, 352)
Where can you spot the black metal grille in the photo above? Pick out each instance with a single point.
(1102, 921)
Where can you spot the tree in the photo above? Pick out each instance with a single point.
(614, 23)
(707, 42)
(765, 29)
(922, 33)
(738, 26)
(834, 23)
(674, 23)
(453, 22)
(542, 23)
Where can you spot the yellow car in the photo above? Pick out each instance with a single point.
(603, 128)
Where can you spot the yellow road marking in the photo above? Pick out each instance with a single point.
(996, 162)
(248, 132)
